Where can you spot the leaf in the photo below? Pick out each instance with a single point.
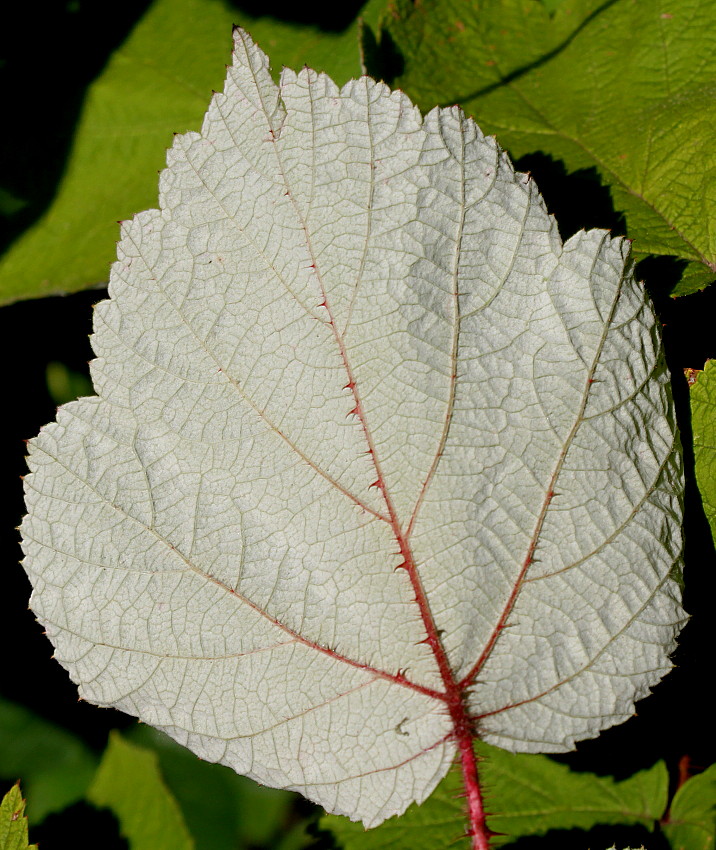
(377, 463)
(526, 795)
(129, 783)
(156, 84)
(13, 823)
(223, 811)
(703, 418)
(55, 766)
(691, 824)
(622, 87)
(65, 384)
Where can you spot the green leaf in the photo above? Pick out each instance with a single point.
(620, 86)
(530, 795)
(65, 384)
(13, 822)
(156, 84)
(9, 203)
(703, 423)
(526, 795)
(223, 811)
(55, 766)
(129, 782)
(377, 461)
(691, 823)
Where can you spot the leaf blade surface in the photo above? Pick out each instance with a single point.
(368, 419)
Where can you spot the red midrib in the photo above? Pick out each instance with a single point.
(455, 695)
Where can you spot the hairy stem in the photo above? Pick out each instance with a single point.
(477, 820)
(477, 830)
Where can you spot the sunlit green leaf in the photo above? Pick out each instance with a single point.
(65, 384)
(691, 823)
(527, 795)
(623, 87)
(129, 782)
(13, 822)
(222, 810)
(156, 84)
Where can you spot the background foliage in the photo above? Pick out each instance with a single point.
(610, 104)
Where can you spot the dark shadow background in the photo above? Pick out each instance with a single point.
(47, 59)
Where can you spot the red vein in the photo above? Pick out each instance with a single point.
(549, 495)
(582, 669)
(455, 694)
(454, 348)
(237, 386)
(398, 678)
(648, 492)
(358, 411)
(479, 832)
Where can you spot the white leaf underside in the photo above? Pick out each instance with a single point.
(350, 329)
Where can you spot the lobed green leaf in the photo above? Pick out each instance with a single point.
(621, 87)
(129, 783)
(156, 84)
(526, 795)
(222, 810)
(691, 823)
(13, 822)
